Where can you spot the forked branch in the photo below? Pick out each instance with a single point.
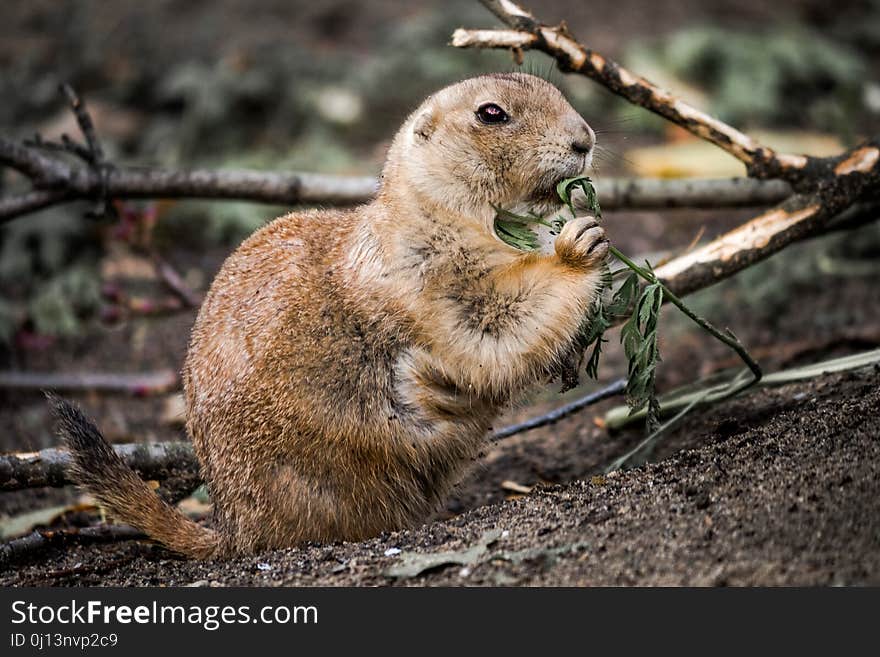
(528, 33)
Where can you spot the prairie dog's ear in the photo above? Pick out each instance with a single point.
(425, 124)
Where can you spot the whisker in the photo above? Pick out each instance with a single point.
(612, 131)
(608, 156)
(609, 126)
(629, 118)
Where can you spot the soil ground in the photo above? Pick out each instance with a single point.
(781, 487)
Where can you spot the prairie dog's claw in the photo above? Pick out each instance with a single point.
(582, 243)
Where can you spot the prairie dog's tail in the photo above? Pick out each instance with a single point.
(119, 489)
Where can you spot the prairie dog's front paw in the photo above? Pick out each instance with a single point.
(582, 243)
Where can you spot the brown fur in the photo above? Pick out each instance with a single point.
(346, 365)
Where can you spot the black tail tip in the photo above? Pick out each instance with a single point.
(67, 414)
(56, 402)
(76, 430)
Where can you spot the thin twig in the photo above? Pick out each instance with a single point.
(174, 281)
(37, 541)
(557, 414)
(94, 152)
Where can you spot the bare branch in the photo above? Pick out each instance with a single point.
(92, 151)
(317, 189)
(49, 467)
(140, 385)
(174, 282)
(752, 241)
(82, 183)
(797, 219)
(17, 206)
(45, 165)
(714, 193)
(43, 171)
(526, 32)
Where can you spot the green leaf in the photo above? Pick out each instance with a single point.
(565, 188)
(624, 297)
(516, 234)
(639, 333)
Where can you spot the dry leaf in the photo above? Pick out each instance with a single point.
(514, 487)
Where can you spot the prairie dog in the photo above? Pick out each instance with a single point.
(346, 365)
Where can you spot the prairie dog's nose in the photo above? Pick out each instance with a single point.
(584, 140)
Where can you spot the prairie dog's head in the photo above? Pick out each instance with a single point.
(504, 139)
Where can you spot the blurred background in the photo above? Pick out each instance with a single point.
(295, 85)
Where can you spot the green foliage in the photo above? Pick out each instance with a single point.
(639, 338)
(598, 320)
(791, 77)
(60, 301)
(515, 233)
(47, 273)
(639, 334)
(565, 187)
(517, 230)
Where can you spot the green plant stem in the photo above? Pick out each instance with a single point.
(619, 462)
(727, 337)
(621, 416)
(734, 387)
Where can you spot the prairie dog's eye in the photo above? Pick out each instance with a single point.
(490, 113)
